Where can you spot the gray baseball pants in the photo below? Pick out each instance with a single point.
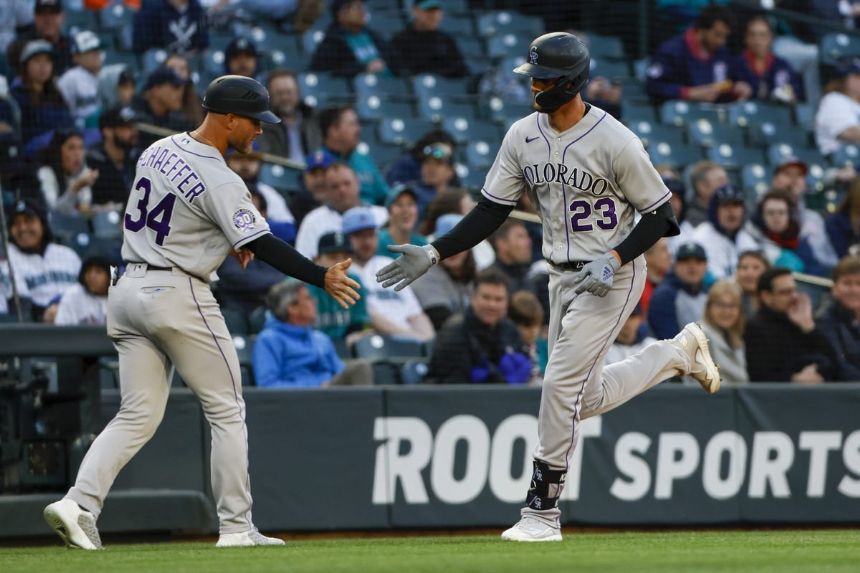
(155, 319)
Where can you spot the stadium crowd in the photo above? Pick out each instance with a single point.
(758, 153)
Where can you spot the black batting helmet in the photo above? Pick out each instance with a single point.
(557, 55)
(240, 96)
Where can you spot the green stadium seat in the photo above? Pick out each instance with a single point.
(507, 45)
(107, 225)
(426, 85)
(708, 134)
(79, 20)
(755, 179)
(382, 153)
(257, 319)
(650, 132)
(465, 129)
(747, 114)
(815, 177)
(733, 156)
(282, 179)
(481, 154)
(236, 321)
(836, 46)
(386, 23)
(366, 85)
(458, 25)
(681, 112)
(632, 111)
(245, 351)
(413, 371)
(68, 229)
(378, 107)
(384, 347)
(472, 178)
(471, 46)
(435, 108)
(115, 17)
(765, 133)
(780, 151)
(311, 39)
(805, 114)
(494, 24)
(674, 155)
(403, 130)
(846, 155)
(323, 86)
(498, 110)
(609, 69)
(605, 46)
(154, 58)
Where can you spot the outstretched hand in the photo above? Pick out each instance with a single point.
(244, 256)
(414, 262)
(340, 286)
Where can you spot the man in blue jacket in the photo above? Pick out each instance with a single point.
(681, 296)
(291, 353)
(172, 25)
(695, 65)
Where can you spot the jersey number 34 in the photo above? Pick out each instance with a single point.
(158, 219)
(603, 209)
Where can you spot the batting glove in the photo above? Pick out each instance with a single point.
(414, 262)
(596, 277)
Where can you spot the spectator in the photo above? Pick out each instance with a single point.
(402, 220)
(161, 104)
(770, 77)
(775, 228)
(481, 345)
(191, 102)
(313, 189)
(840, 322)
(632, 338)
(447, 287)
(437, 174)
(114, 158)
(695, 66)
(751, 265)
(14, 15)
(48, 19)
(341, 185)
(782, 341)
(247, 166)
(341, 135)
(407, 167)
(723, 323)
(86, 301)
(391, 312)
(172, 25)
(790, 177)
(681, 296)
(116, 86)
(241, 58)
(350, 47)
(299, 132)
(678, 202)
(424, 48)
(43, 270)
(284, 230)
(37, 95)
(513, 253)
(843, 227)
(65, 179)
(606, 94)
(333, 320)
(841, 12)
(290, 353)
(838, 119)
(79, 85)
(723, 235)
(705, 178)
(456, 201)
(658, 261)
(527, 313)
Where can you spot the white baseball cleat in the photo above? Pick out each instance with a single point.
(694, 343)
(75, 526)
(530, 529)
(246, 539)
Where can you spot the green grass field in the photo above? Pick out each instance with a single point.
(813, 551)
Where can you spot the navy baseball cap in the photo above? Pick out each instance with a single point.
(333, 243)
(357, 219)
(848, 66)
(161, 76)
(396, 192)
(240, 46)
(691, 250)
(729, 194)
(117, 117)
(319, 159)
(43, 6)
(429, 5)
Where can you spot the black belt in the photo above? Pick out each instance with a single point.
(169, 269)
(573, 266)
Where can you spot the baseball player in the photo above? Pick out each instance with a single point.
(187, 211)
(588, 175)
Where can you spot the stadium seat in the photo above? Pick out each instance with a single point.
(376, 107)
(465, 129)
(382, 154)
(283, 179)
(213, 62)
(755, 179)
(674, 155)
(78, 21)
(154, 58)
(402, 130)
(846, 155)
(471, 46)
(385, 347)
(506, 45)
(257, 319)
(632, 111)
(494, 24)
(681, 112)
(778, 152)
(115, 17)
(68, 228)
(461, 25)
(435, 108)
(749, 113)
(805, 114)
(733, 156)
(767, 132)
(220, 40)
(323, 85)
(245, 351)
(426, 85)
(648, 131)
(413, 372)
(385, 23)
(708, 134)
(366, 85)
(605, 46)
(236, 321)
(836, 46)
(498, 110)
(609, 69)
(385, 372)
(106, 225)
(471, 178)
(481, 154)
(815, 177)
(101, 247)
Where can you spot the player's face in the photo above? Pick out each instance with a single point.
(364, 244)
(690, 271)
(724, 311)
(775, 215)
(759, 37)
(782, 295)
(730, 216)
(96, 279)
(27, 232)
(72, 155)
(748, 272)
(847, 291)
(403, 213)
(243, 132)
(243, 65)
(342, 186)
(39, 68)
(284, 95)
(716, 36)
(490, 303)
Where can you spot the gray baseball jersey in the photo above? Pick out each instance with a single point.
(587, 182)
(187, 208)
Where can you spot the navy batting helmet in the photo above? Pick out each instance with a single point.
(240, 96)
(557, 55)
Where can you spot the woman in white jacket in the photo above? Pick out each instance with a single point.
(724, 325)
(64, 177)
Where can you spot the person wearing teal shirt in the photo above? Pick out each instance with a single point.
(337, 322)
(350, 47)
(402, 206)
(341, 135)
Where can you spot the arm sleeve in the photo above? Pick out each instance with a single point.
(286, 259)
(658, 223)
(479, 224)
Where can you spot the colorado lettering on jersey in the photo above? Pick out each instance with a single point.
(576, 177)
(174, 168)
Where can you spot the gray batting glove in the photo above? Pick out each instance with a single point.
(596, 277)
(414, 262)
